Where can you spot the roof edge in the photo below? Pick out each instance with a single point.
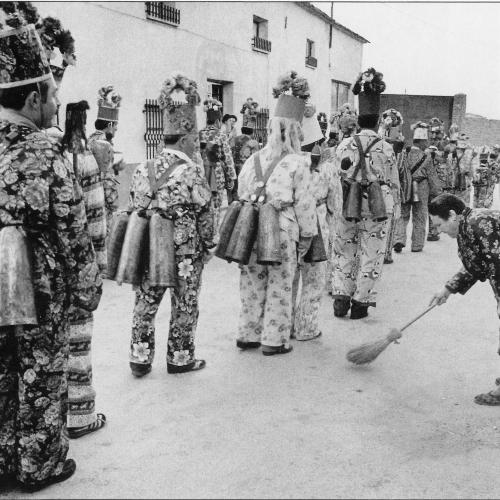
(325, 17)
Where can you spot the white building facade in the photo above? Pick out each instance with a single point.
(234, 50)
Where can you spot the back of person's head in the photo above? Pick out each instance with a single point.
(247, 130)
(101, 124)
(15, 97)
(284, 136)
(368, 121)
(441, 205)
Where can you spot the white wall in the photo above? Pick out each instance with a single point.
(117, 45)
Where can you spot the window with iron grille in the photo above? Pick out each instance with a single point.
(310, 52)
(340, 94)
(260, 40)
(260, 131)
(154, 127)
(164, 12)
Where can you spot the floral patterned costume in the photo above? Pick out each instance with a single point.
(38, 191)
(103, 152)
(185, 197)
(81, 393)
(359, 247)
(478, 242)
(327, 191)
(485, 178)
(219, 168)
(266, 291)
(449, 170)
(243, 147)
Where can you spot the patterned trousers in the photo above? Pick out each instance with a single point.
(183, 316)
(81, 393)
(391, 231)
(266, 297)
(305, 317)
(483, 196)
(358, 257)
(33, 392)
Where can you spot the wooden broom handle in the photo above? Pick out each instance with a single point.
(418, 317)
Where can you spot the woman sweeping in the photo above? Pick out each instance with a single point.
(478, 236)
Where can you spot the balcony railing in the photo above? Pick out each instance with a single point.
(158, 11)
(261, 44)
(311, 61)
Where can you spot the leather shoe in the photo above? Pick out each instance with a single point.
(398, 247)
(139, 370)
(341, 307)
(247, 345)
(69, 468)
(358, 310)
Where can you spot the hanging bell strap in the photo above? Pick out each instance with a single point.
(157, 184)
(418, 164)
(362, 156)
(262, 179)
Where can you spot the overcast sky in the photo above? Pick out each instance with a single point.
(437, 49)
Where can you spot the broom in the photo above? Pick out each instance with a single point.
(366, 353)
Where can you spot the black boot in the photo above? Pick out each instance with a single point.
(139, 369)
(358, 310)
(398, 247)
(341, 306)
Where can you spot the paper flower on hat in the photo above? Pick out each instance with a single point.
(249, 107)
(322, 117)
(290, 83)
(419, 125)
(394, 116)
(212, 104)
(108, 97)
(174, 86)
(369, 82)
(17, 14)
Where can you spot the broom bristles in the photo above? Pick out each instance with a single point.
(368, 352)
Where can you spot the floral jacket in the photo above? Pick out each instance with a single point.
(216, 141)
(243, 147)
(288, 189)
(452, 166)
(478, 248)
(38, 191)
(103, 152)
(185, 197)
(486, 174)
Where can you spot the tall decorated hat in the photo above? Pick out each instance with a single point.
(178, 98)
(292, 93)
(420, 130)
(108, 104)
(392, 122)
(453, 132)
(249, 111)
(58, 44)
(436, 125)
(310, 126)
(371, 86)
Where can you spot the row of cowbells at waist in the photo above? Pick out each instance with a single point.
(249, 225)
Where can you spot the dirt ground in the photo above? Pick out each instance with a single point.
(307, 424)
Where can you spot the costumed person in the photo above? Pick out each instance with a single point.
(311, 272)
(229, 127)
(101, 145)
(323, 122)
(40, 203)
(217, 158)
(478, 237)
(369, 82)
(486, 175)
(244, 145)
(370, 183)
(391, 130)
(418, 182)
(343, 123)
(437, 144)
(174, 186)
(82, 418)
(278, 178)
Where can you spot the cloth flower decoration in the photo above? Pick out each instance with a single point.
(290, 83)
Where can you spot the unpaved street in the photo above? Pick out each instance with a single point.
(303, 425)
